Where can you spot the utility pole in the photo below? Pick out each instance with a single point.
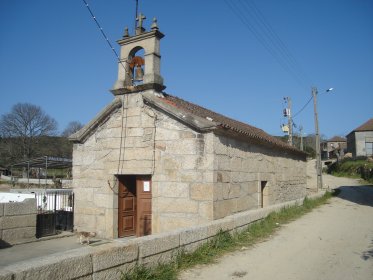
(290, 120)
(317, 136)
(301, 137)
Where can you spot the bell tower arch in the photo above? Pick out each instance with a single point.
(131, 67)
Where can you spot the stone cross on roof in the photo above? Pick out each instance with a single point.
(140, 18)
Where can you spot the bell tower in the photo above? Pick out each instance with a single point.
(136, 73)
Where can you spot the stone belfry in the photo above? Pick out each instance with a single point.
(136, 73)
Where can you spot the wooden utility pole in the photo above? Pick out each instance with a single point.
(290, 120)
(317, 136)
(301, 137)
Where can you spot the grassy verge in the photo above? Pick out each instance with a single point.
(225, 242)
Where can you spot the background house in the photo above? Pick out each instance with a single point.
(335, 147)
(151, 162)
(360, 140)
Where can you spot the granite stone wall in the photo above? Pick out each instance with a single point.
(139, 140)
(183, 176)
(17, 222)
(241, 167)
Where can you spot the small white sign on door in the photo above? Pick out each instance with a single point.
(146, 186)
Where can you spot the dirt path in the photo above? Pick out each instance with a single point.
(334, 241)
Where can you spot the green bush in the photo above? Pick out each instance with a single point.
(359, 168)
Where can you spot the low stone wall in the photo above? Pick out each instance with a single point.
(108, 261)
(17, 222)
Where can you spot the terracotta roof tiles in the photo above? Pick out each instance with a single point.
(367, 126)
(228, 123)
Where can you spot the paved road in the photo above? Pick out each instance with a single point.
(334, 241)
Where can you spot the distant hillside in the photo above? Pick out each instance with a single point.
(10, 151)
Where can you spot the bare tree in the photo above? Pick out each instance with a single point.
(22, 127)
(71, 128)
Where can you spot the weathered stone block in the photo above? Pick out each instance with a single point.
(206, 211)
(224, 163)
(114, 254)
(177, 205)
(234, 191)
(133, 121)
(164, 257)
(19, 235)
(103, 200)
(135, 131)
(241, 219)
(223, 176)
(193, 234)
(173, 189)
(166, 134)
(190, 161)
(134, 111)
(113, 272)
(243, 203)
(168, 222)
(170, 163)
(1, 209)
(192, 176)
(214, 227)
(8, 222)
(201, 192)
(224, 208)
(28, 206)
(139, 154)
(185, 147)
(68, 265)
(236, 164)
(155, 244)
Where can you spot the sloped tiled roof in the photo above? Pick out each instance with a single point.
(227, 123)
(367, 126)
(337, 139)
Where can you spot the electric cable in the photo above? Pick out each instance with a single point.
(263, 34)
(305, 105)
(275, 39)
(105, 37)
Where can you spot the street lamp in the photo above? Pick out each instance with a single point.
(317, 136)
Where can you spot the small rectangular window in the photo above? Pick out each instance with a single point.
(369, 148)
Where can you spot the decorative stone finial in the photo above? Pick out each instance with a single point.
(126, 34)
(154, 24)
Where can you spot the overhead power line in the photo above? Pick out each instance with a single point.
(304, 107)
(104, 35)
(254, 20)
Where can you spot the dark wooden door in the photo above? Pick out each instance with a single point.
(127, 204)
(144, 205)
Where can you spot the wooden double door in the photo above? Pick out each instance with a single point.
(134, 205)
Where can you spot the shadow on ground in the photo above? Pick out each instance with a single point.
(4, 244)
(362, 195)
(368, 254)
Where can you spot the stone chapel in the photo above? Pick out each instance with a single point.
(151, 162)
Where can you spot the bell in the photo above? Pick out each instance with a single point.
(139, 73)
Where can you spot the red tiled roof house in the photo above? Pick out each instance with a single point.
(360, 140)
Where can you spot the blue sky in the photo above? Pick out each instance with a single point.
(52, 55)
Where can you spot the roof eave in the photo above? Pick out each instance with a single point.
(81, 135)
(196, 122)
